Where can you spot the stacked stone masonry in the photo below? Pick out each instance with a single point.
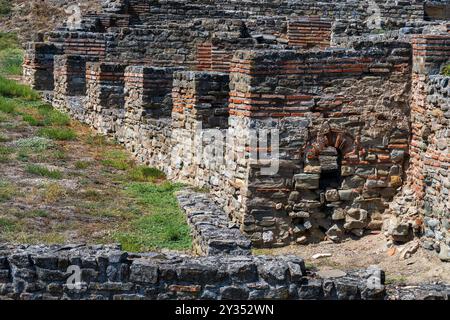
(351, 88)
(106, 273)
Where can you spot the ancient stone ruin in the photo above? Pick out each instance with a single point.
(347, 98)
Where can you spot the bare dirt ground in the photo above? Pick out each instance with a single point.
(78, 187)
(422, 267)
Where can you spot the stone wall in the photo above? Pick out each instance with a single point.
(105, 273)
(423, 207)
(343, 122)
(200, 102)
(105, 102)
(147, 125)
(38, 65)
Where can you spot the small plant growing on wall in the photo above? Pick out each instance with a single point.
(446, 70)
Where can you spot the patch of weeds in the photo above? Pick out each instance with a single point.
(39, 214)
(145, 174)
(32, 121)
(91, 194)
(3, 138)
(164, 226)
(60, 134)
(98, 140)
(7, 191)
(5, 153)
(396, 280)
(82, 165)
(446, 70)
(6, 150)
(59, 155)
(53, 192)
(34, 143)
(23, 156)
(202, 190)
(7, 106)
(8, 40)
(7, 225)
(117, 159)
(44, 172)
(5, 7)
(11, 61)
(12, 89)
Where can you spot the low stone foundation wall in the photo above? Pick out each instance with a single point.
(107, 273)
(213, 232)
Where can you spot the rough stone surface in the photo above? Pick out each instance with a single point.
(106, 273)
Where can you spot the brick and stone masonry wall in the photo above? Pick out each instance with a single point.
(148, 114)
(309, 33)
(38, 65)
(168, 33)
(423, 207)
(200, 101)
(70, 85)
(107, 273)
(105, 103)
(343, 118)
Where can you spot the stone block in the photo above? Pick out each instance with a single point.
(307, 181)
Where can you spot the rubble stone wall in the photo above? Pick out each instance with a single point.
(423, 207)
(200, 102)
(147, 125)
(345, 112)
(107, 273)
(105, 102)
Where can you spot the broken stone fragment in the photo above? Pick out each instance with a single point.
(338, 214)
(300, 214)
(332, 195)
(401, 232)
(335, 233)
(355, 219)
(347, 171)
(444, 253)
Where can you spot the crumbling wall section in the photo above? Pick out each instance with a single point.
(343, 122)
(38, 65)
(200, 115)
(423, 207)
(148, 114)
(105, 103)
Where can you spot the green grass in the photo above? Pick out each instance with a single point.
(8, 106)
(12, 89)
(44, 172)
(446, 70)
(82, 165)
(11, 53)
(164, 226)
(5, 7)
(11, 61)
(145, 174)
(117, 159)
(34, 143)
(7, 191)
(60, 134)
(6, 225)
